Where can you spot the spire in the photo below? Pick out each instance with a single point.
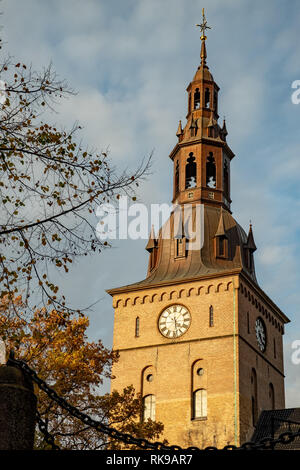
(152, 242)
(250, 240)
(203, 27)
(221, 228)
(224, 129)
(179, 130)
(203, 54)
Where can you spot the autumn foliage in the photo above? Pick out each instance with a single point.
(59, 351)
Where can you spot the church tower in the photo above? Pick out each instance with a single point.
(199, 338)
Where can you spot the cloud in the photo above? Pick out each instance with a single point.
(131, 62)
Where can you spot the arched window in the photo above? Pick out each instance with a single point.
(137, 327)
(190, 102)
(254, 396)
(149, 407)
(190, 172)
(177, 177)
(272, 396)
(226, 179)
(200, 404)
(197, 99)
(210, 171)
(211, 316)
(216, 101)
(206, 98)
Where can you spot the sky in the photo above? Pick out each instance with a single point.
(130, 62)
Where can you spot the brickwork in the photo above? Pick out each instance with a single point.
(173, 363)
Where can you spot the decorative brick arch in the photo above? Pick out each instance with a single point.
(136, 300)
(191, 291)
(220, 287)
(209, 289)
(145, 298)
(229, 286)
(181, 293)
(199, 290)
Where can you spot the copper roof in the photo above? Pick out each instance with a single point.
(201, 262)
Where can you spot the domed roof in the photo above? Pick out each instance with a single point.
(203, 73)
(200, 262)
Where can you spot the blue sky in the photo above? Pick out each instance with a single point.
(130, 62)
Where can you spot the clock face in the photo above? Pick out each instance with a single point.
(261, 336)
(174, 321)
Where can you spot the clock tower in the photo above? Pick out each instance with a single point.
(198, 337)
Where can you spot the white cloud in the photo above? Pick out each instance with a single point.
(131, 62)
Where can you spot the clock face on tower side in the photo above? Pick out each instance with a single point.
(261, 335)
(174, 321)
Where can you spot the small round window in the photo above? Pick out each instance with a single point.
(149, 377)
(200, 371)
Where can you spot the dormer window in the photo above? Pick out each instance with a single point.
(221, 246)
(180, 247)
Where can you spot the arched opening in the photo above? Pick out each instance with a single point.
(211, 316)
(254, 396)
(226, 179)
(190, 103)
(137, 327)
(149, 407)
(210, 171)
(207, 98)
(216, 101)
(197, 99)
(177, 177)
(272, 396)
(200, 404)
(191, 172)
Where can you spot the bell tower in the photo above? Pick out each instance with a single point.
(202, 156)
(198, 338)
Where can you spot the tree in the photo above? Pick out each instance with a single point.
(50, 185)
(49, 188)
(59, 351)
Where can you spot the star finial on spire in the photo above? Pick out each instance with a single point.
(203, 26)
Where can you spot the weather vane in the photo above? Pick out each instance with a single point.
(203, 26)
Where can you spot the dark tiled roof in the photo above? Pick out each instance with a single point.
(272, 423)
